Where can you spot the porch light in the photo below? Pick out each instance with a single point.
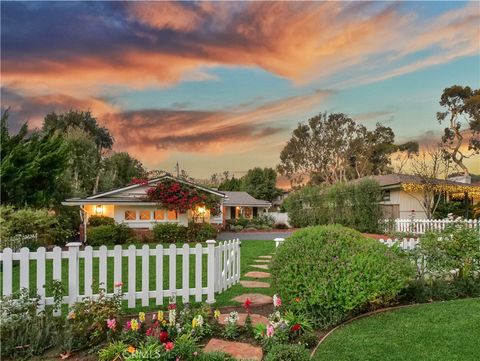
(201, 210)
(99, 210)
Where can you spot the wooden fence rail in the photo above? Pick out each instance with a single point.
(222, 271)
(420, 226)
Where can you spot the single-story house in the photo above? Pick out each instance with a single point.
(402, 194)
(129, 205)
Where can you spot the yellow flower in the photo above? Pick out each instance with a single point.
(216, 314)
(164, 322)
(194, 323)
(131, 349)
(71, 315)
(134, 325)
(141, 316)
(160, 316)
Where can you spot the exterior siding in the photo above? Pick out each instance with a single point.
(407, 203)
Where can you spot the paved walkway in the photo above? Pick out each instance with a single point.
(260, 236)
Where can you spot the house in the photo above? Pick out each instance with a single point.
(402, 194)
(129, 205)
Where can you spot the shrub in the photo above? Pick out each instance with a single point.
(94, 221)
(287, 353)
(215, 356)
(42, 223)
(200, 232)
(109, 234)
(169, 233)
(332, 272)
(354, 204)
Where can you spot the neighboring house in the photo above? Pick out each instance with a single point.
(278, 201)
(399, 202)
(128, 205)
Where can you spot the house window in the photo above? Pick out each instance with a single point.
(247, 212)
(159, 215)
(386, 196)
(130, 215)
(145, 215)
(172, 215)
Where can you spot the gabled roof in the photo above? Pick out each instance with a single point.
(243, 199)
(395, 180)
(115, 196)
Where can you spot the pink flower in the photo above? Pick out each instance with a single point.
(270, 331)
(112, 324)
(169, 346)
(128, 325)
(119, 284)
(277, 301)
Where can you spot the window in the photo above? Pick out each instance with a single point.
(386, 195)
(172, 215)
(145, 215)
(159, 215)
(247, 212)
(130, 215)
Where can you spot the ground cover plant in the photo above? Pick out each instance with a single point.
(442, 331)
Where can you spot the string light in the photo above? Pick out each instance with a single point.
(455, 191)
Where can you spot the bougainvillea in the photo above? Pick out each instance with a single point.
(180, 197)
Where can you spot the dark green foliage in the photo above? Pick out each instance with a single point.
(352, 204)
(331, 272)
(231, 184)
(200, 232)
(169, 233)
(118, 171)
(215, 356)
(261, 183)
(421, 290)
(94, 221)
(31, 167)
(108, 234)
(287, 353)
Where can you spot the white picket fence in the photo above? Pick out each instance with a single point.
(420, 226)
(223, 270)
(405, 243)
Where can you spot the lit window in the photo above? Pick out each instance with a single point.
(130, 215)
(172, 215)
(386, 196)
(145, 215)
(159, 215)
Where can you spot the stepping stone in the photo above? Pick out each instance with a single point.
(256, 319)
(255, 284)
(265, 257)
(262, 261)
(257, 274)
(261, 266)
(257, 299)
(238, 350)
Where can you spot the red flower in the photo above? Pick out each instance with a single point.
(169, 346)
(295, 327)
(163, 337)
(247, 304)
(172, 306)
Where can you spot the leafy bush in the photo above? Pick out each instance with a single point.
(169, 233)
(262, 222)
(332, 272)
(40, 222)
(95, 221)
(354, 205)
(200, 232)
(428, 290)
(109, 234)
(287, 353)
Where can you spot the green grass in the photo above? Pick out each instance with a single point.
(447, 331)
(250, 250)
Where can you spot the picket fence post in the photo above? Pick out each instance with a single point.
(278, 241)
(73, 272)
(211, 271)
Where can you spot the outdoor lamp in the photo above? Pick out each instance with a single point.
(99, 210)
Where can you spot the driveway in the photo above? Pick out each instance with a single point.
(261, 236)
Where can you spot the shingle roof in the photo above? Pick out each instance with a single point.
(242, 199)
(386, 180)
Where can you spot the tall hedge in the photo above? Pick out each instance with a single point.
(354, 204)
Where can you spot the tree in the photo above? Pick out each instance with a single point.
(103, 140)
(32, 167)
(119, 169)
(261, 183)
(332, 148)
(231, 184)
(460, 102)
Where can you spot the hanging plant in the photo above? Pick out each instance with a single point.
(180, 197)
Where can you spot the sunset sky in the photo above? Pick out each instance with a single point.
(220, 86)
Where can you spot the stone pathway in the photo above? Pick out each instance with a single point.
(257, 299)
(255, 284)
(238, 350)
(262, 261)
(257, 274)
(256, 319)
(261, 266)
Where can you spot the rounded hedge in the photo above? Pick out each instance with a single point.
(287, 353)
(332, 272)
(109, 234)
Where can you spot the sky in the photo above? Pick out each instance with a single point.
(220, 86)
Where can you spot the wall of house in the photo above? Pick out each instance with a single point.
(106, 210)
(119, 216)
(407, 202)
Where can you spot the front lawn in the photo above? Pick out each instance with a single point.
(445, 331)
